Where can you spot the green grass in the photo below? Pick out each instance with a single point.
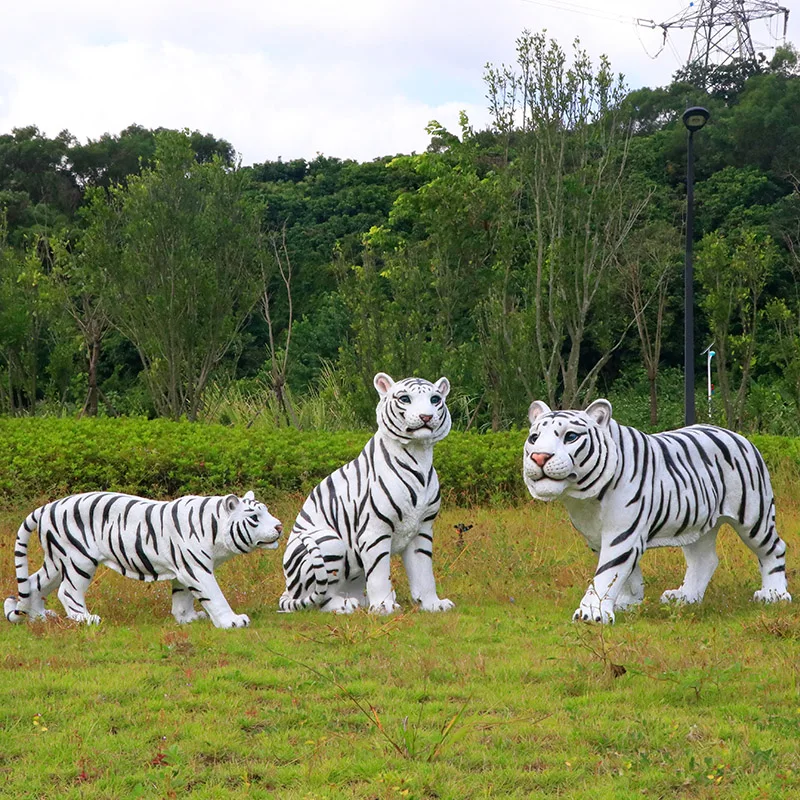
(504, 697)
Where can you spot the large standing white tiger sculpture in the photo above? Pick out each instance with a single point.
(383, 502)
(627, 491)
(180, 540)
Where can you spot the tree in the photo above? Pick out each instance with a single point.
(278, 260)
(79, 281)
(111, 159)
(576, 205)
(25, 310)
(179, 247)
(649, 266)
(733, 272)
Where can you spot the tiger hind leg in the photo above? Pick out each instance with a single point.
(314, 567)
(72, 594)
(40, 585)
(770, 550)
(183, 605)
(632, 592)
(701, 563)
(355, 590)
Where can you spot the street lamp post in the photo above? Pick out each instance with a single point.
(709, 386)
(693, 118)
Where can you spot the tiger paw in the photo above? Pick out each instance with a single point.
(438, 605)
(86, 619)
(10, 610)
(388, 606)
(772, 596)
(192, 616)
(625, 601)
(679, 597)
(341, 605)
(592, 609)
(235, 621)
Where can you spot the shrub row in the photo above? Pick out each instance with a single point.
(52, 457)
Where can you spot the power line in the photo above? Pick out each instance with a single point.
(585, 11)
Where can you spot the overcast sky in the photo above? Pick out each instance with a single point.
(293, 78)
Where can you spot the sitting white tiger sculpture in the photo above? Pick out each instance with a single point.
(383, 502)
(179, 540)
(627, 491)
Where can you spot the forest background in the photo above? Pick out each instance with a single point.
(148, 273)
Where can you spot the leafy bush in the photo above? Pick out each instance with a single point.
(53, 457)
(160, 458)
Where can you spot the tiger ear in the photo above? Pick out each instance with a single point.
(231, 501)
(443, 386)
(383, 383)
(600, 411)
(249, 496)
(536, 409)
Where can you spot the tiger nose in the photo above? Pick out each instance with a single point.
(541, 458)
(426, 417)
(279, 528)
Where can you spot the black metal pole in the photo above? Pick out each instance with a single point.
(688, 290)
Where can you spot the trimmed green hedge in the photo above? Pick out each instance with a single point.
(54, 457)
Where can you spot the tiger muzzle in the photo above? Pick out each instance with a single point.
(540, 459)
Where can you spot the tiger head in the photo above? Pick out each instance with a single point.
(249, 525)
(413, 409)
(569, 453)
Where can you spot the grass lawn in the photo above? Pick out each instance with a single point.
(503, 697)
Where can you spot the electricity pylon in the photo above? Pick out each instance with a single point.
(721, 29)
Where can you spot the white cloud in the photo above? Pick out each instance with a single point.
(357, 78)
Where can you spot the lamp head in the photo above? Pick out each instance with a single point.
(695, 118)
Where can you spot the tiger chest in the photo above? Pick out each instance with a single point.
(589, 519)
(407, 529)
(408, 522)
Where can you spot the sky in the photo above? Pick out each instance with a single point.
(291, 79)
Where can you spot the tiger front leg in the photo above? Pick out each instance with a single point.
(380, 594)
(418, 561)
(610, 578)
(207, 592)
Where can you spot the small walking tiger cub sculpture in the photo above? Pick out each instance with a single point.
(627, 491)
(180, 540)
(383, 502)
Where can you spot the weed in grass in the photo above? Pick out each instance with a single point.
(594, 639)
(407, 744)
(786, 626)
(350, 632)
(177, 643)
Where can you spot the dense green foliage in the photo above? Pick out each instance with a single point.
(540, 257)
(158, 457)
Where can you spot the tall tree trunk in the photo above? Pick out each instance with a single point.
(91, 404)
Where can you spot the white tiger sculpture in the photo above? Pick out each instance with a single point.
(180, 540)
(627, 491)
(381, 503)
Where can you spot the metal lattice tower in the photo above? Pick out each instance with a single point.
(721, 29)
